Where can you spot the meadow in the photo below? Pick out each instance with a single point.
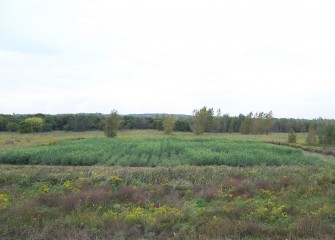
(13, 140)
(144, 185)
(167, 151)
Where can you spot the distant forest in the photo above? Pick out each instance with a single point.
(215, 122)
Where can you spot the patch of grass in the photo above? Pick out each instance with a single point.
(10, 140)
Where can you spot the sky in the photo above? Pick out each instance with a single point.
(149, 56)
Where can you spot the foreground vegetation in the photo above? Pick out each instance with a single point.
(209, 202)
(267, 192)
(159, 151)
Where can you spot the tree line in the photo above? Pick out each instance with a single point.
(203, 120)
(85, 122)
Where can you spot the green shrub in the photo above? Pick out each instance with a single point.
(31, 125)
(327, 134)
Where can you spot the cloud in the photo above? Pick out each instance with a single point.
(149, 56)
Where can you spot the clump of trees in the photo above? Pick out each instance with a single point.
(205, 121)
(202, 120)
(112, 123)
(258, 123)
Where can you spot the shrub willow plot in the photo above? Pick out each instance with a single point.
(169, 151)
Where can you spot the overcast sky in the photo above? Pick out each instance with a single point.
(168, 56)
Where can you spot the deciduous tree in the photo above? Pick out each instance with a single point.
(112, 124)
(168, 124)
(201, 120)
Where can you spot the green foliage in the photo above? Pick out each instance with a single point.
(202, 120)
(183, 125)
(262, 123)
(112, 124)
(31, 125)
(67, 127)
(311, 136)
(3, 123)
(258, 123)
(4, 201)
(13, 126)
(292, 137)
(231, 126)
(168, 124)
(162, 151)
(327, 134)
(247, 124)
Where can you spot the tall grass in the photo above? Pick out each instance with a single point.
(159, 151)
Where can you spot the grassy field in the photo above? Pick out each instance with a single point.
(267, 192)
(163, 151)
(10, 141)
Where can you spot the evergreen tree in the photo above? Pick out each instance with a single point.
(292, 137)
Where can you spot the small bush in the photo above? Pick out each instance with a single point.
(4, 200)
(292, 137)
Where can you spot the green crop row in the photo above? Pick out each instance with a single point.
(169, 151)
